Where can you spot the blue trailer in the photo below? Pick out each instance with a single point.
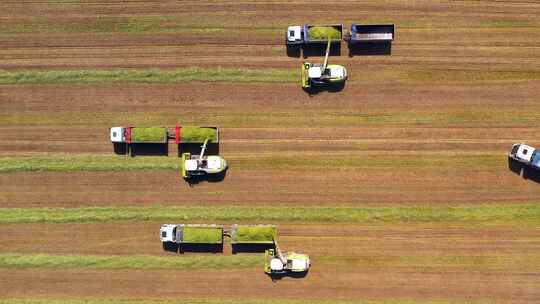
(373, 33)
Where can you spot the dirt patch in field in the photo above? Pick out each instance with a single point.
(321, 283)
(146, 188)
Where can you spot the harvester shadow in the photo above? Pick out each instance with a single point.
(370, 48)
(141, 149)
(320, 50)
(331, 88)
(210, 178)
(524, 171)
(200, 248)
(195, 148)
(250, 248)
(295, 275)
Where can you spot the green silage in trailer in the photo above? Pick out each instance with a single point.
(149, 135)
(251, 234)
(202, 235)
(324, 32)
(191, 134)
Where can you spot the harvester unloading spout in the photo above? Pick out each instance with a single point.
(325, 64)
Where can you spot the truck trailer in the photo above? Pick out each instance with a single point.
(370, 33)
(161, 135)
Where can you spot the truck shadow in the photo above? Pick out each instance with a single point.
(250, 248)
(201, 248)
(331, 88)
(370, 48)
(141, 149)
(524, 171)
(312, 50)
(195, 148)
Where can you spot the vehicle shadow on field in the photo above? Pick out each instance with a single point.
(330, 88)
(524, 171)
(320, 50)
(279, 276)
(195, 148)
(209, 178)
(370, 49)
(183, 248)
(141, 149)
(250, 248)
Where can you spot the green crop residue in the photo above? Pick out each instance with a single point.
(232, 301)
(86, 163)
(9, 260)
(217, 74)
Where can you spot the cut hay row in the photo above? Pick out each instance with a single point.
(83, 162)
(495, 214)
(10, 260)
(230, 301)
(217, 74)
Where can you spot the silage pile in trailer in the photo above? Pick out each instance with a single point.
(203, 235)
(198, 134)
(255, 234)
(324, 32)
(148, 134)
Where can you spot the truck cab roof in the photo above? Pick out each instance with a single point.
(167, 233)
(524, 152)
(294, 33)
(117, 135)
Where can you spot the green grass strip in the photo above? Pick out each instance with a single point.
(86, 162)
(233, 301)
(217, 74)
(10, 260)
(515, 214)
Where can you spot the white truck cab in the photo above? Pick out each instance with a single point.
(117, 135)
(522, 152)
(294, 34)
(167, 233)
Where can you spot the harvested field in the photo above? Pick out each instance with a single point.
(398, 186)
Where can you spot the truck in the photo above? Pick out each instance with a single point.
(526, 155)
(160, 135)
(191, 234)
(313, 34)
(371, 33)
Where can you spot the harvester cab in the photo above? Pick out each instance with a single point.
(320, 75)
(198, 165)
